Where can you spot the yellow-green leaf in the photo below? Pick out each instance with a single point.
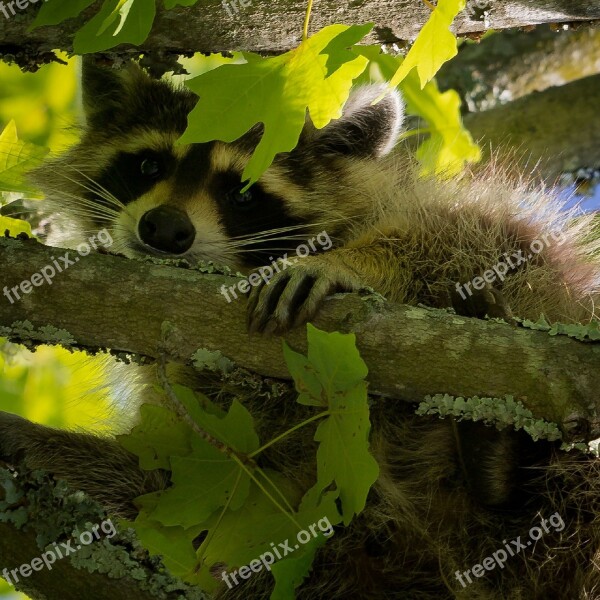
(276, 92)
(16, 159)
(450, 144)
(434, 45)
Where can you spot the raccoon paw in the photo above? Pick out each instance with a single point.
(293, 297)
(487, 301)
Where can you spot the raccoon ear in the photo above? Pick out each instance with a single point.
(104, 90)
(364, 129)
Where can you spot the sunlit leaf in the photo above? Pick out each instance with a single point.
(16, 159)
(277, 92)
(434, 45)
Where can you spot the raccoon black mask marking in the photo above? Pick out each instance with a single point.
(128, 174)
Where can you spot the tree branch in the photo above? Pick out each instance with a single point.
(40, 514)
(558, 127)
(112, 302)
(267, 26)
(513, 63)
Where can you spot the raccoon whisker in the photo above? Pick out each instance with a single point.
(276, 230)
(98, 189)
(269, 237)
(270, 232)
(84, 200)
(262, 251)
(105, 206)
(248, 246)
(262, 240)
(84, 211)
(80, 202)
(115, 229)
(95, 216)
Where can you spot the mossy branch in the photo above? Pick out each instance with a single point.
(40, 515)
(111, 302)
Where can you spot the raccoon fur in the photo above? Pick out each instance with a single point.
(449, 494)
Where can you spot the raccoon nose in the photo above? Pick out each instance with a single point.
(167, 229)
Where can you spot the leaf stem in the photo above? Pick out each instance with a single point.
(183, 414)
(285, 500)
(200, 553)
(325, 413)
(265, 492)
(307, 21)
(429, 4)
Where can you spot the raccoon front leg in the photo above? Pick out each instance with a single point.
(386, 263)
(294, 294)
(98, 466)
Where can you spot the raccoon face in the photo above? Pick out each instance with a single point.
(159, 198)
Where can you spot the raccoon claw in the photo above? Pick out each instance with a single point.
(487, 301)
(291, 298)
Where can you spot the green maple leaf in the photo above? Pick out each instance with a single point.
(239, 537)
(234, 428)
(449, 145)
(333, 365)
(16, 159)
(172, 544)
(53, 12)
(117, 22)
(14, 227)
(159, 435)
(434, 45)
(173, 3)
(204, 478)
(290, 572)
(277, 92)
(343, 455)
(333, 375)
(202, 483)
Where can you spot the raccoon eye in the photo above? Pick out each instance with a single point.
(150, 167)
(240, 199)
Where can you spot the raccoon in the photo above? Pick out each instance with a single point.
(449, 494)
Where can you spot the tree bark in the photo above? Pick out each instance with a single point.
(514, 63)
(551, 132)
(267, 26)
(112, 302)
